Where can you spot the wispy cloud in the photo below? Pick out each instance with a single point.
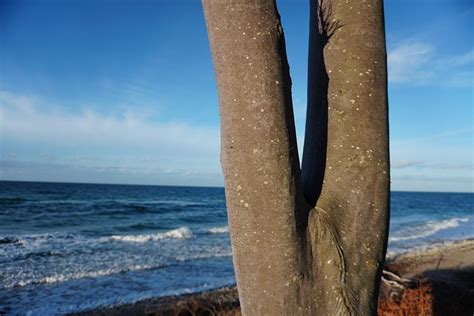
(34, 120)
(460, 60)
(423, 182)
(125, 142)
(418, 164)
(453, 166)
(400, 164)
(408, 62)
(70, 172)
(418, 62)
(442, 135)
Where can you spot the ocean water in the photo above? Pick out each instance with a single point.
(71, 247)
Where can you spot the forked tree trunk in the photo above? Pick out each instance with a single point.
(308, 242)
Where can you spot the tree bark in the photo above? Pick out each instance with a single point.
(309, 244)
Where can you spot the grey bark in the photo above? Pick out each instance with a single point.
(308, 242)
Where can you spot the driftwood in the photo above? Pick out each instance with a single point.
(393, 285)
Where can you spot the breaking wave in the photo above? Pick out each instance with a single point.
(179, 233)
(219, 230)
(82, 274)
(428, 229)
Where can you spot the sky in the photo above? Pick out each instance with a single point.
(122, 91)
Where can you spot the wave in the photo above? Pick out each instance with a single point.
(77, 275)
(46, 241)
(36, 238)
(44, 254)
(12, 200)
(179, 233)
(218, 230)
(142, 226)
(166, 202)
(46, 236)
(218, 254)
(8, 240)
(84, 274)
(138, 208)
(430, 228)
(437, 246)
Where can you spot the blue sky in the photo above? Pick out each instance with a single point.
(123, 91)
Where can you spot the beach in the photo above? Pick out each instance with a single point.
(166, 157)
(68, 248)
(447, 270)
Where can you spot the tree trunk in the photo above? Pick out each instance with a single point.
(309, 244)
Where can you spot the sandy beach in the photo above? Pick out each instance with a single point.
(444, 273)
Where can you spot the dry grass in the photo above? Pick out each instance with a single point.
(416, 301)
(200, 307)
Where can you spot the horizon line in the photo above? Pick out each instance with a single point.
(193, 186)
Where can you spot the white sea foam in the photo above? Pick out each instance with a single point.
(428, 229)
(82, 274)
(219, 230)
(46, 236)
(38, 240)
(179, 233)
(171, 202)
(438, 246)
(206, 255)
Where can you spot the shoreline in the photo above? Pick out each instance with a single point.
(448, 268)
(442, 252)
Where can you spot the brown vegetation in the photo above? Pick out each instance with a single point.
(417, 301)
(423, 296)
(201, 307)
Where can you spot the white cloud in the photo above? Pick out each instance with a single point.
(34, 120)
(443, 135)
(124, 142)
(454, 166)
(417, 62)
(399, 164)
(408, 62)
(461, 60)
(66, 172)
(128, 147)
(423, 182)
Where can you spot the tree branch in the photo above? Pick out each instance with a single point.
(258, 148)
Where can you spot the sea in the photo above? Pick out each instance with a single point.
(72, 247)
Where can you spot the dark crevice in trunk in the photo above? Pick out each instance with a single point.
(322, 28)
